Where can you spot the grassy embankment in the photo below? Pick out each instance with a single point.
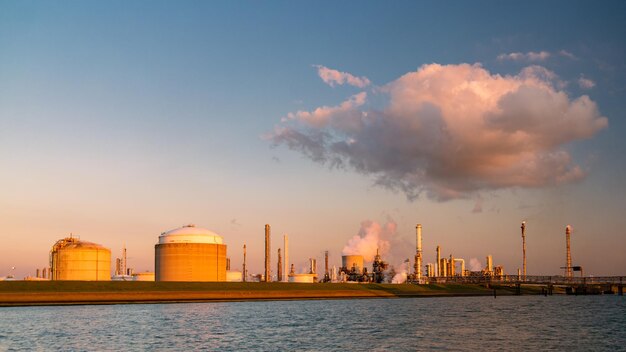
(14, 293)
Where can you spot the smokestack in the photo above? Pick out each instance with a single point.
(268, 270)
(568, 254)
(326, 264)
(245, 271)
(124, 263)
(227, 264)
(418, 253)
(279, 268)
(489, 263)
(438, 261)
(286, 248)
(524, 249)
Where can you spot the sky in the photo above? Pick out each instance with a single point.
(336, 123)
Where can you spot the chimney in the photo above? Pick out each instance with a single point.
(268, 271)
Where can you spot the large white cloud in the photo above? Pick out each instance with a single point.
(451, 131)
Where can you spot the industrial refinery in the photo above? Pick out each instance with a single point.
(195, 254)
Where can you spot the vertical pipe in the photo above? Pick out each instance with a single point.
(267, 253)
(524, 249)
(438, 261)
(568, 254)
(245, 271)
(286, 248)
(418, 253)
(124, 272)
(279, 268)
(326, 275)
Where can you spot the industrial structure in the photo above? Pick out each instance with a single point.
(279, 268)
(286, 261)
(524, 249)
(244, 272)
(268, 271)
(73, 259)
(418, 253)
(190, 253)
(568, 253)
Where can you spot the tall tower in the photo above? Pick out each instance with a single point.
(418, 252)
(524, 249)
(268, 270)
(568, 253)
(124, 263)
(245, 271)
(438, 261)
(279, 268)
(326, 273)
(286, 265)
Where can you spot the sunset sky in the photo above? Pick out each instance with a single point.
(121, 120)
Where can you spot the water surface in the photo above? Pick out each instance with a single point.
(581, 323)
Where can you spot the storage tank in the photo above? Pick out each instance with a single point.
(73, 259)
(143, 276)
(348, 261)
(302, 278)
(190, 253)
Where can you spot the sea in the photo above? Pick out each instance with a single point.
(505, 323)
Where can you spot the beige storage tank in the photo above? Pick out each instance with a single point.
(302, 278)
(348, 261)
(73, 259)
(143, 276)
(190, 253)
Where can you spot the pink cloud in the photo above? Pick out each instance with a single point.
(334, 77)
(452, 131)
(530, 56)
(586, 83)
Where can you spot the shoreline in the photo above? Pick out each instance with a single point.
(54, 293)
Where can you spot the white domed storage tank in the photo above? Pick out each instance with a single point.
(190, 253)
(73, 259)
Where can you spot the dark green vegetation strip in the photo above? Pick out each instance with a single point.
(120, 286)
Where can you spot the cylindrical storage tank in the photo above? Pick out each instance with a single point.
(190, 253)
(73, 259)
(302, 278)
(348, 261)
(143, 276)
(234, 276)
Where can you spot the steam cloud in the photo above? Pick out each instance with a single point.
(450, 131)
(371, 237)
(474, 265)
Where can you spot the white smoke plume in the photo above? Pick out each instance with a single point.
(400, 277)
(474, 265)
(371, 237)
(451, 131)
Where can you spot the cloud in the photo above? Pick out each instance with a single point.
(334, 77)
(474, 265)
(371, 237)
(478, 206)
(568, 55)
(451, 131)
(586, 83)
(321, 116)
(530, 56)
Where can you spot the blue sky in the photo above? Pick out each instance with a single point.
(122, 120)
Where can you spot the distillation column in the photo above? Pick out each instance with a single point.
(524, 249)
(438, 261)
(568, 254)
(267, 254)
(418, 253)
(245, 271)
(279, 268)
(286, 248)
